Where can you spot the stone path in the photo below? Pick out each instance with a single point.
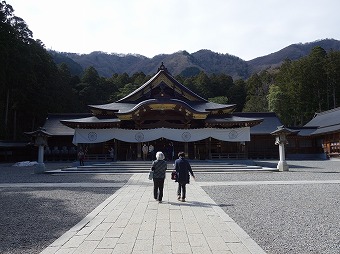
(131, 221)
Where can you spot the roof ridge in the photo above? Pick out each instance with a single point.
(164, 71)
(327, 111)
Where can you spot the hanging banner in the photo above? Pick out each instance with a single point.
(180, 135)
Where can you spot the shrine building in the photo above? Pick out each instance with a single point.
(166, 114)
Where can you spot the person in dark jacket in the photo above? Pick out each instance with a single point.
(159, 167)
(81, 157)
(183, 168)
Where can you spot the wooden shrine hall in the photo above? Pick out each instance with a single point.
(166, 114)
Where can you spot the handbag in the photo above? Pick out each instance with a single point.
(173, 175)
(150, 175)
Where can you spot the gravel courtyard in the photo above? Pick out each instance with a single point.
(282, 217)
(285, 218)
(32, 218)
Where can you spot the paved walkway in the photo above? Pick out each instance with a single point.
(131, 221)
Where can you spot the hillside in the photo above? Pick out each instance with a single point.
(187, 64)
(292, 52)
(180, 62)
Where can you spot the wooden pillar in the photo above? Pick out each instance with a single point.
(206, 153)
(116, 149)
(195, 152)
(186, 149)
(209, 148)
(139, 151)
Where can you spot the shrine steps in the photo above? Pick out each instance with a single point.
(132, 167)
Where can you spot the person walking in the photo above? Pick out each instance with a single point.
(183, 168)
(81, 157)
(151, 151)
(112, 153)
(159, 167)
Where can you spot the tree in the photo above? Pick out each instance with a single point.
(237, 94)
(124, 91)
(139, 78)
(25, 68)
(202, 85)
(220, 84)
(276, 100)
(91, 76)
(219, 99)
(14, 35)
(284, 97)
(308, 85)
(332, 68)
(317, 78)
(257, 87)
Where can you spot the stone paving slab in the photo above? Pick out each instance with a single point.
(237, 183)
(131, 221)
(61, 185)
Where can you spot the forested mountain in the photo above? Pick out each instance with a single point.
(186, 64)
(291, 52)
(177, 63)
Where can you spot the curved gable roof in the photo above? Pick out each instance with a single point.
(202, 107)
(180, 94)
(162, 77)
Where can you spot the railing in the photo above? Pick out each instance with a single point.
(97, 157)
(334, 155)
(72, 157)
(228, 156)
(263, 154)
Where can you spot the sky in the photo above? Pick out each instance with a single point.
(243, 28)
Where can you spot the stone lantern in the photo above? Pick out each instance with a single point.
(281, 140)
(40, 139)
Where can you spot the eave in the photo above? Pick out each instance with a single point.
(162, 105)
(91, 122)
(232, 121)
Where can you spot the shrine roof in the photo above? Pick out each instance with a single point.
(327, 129)
(269, 124)
(92, 119)
(56, 128)
(202, 107)
(162, 88)
(39, 132)
(162, 74)
(303, 131)
(54, 124)
(233, 119)
(326, 122)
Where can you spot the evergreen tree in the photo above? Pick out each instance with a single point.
(257, 87)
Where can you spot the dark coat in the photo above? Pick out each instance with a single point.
(183, 168)
(159, 168)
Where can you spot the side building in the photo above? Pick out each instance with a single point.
(326, 127)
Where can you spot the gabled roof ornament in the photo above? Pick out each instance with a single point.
(162, 68)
